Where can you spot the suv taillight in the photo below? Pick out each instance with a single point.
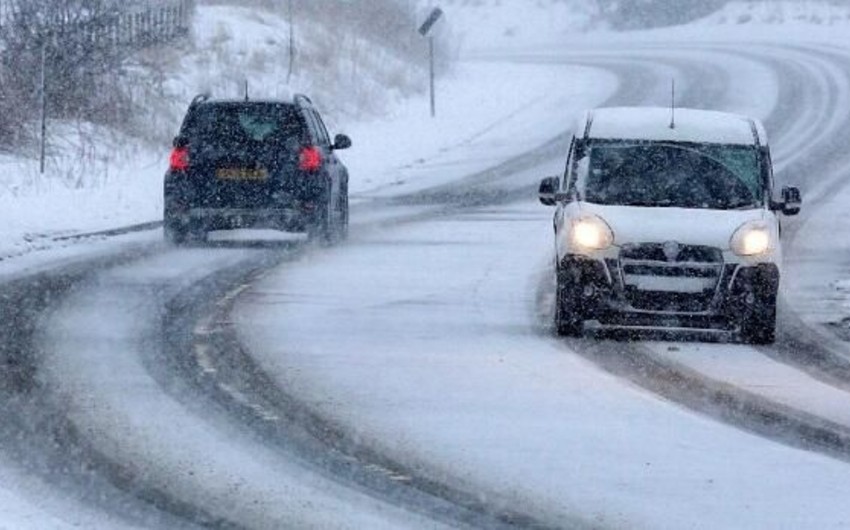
(310, 159)
(179, 159)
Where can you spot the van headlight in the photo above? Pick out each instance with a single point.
(591, 233)
(752, 239)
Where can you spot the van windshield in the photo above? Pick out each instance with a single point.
(719, 177)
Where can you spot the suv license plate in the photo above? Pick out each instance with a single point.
(227, 173)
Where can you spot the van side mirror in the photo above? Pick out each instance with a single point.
(180, 141)
(792, 200)
(341, 141)
(547, 191)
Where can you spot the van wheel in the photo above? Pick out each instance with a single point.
(320, 229)
(568, 319)
(342, 230)
(175, 233)
(759, 326)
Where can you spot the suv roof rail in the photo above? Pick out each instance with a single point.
(303, 100)
(201, 98)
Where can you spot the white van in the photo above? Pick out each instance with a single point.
(668, 219)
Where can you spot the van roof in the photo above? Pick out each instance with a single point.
(653, 124)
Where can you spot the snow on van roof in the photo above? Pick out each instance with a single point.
(653, 123)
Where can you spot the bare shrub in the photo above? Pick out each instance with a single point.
(84, 46)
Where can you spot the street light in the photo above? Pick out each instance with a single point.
(425, 31)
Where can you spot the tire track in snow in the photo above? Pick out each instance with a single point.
(35, 430)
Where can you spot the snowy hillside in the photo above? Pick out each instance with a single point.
(232, 45)
(496, 22)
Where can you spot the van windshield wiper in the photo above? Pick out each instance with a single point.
(653, 204)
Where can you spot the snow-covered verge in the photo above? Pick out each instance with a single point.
(786, 12)
(83, 190)
(819, 279)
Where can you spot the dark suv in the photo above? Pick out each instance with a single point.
(255, 164)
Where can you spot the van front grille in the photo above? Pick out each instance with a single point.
(670, 278)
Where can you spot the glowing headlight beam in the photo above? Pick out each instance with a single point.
(591, 233)
(752, 240)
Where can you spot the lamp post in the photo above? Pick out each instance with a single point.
(425, 31)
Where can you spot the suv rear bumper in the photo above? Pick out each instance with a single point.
(601, 296)
(207, 219)
(189, 208)
(289, 219)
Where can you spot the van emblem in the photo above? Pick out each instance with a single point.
(671, 251)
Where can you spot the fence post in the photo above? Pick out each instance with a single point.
(291, 20)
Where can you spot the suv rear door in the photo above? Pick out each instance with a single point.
(244, 154)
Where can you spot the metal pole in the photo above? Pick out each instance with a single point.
(43, 105)
(433, 76)
(291, 43)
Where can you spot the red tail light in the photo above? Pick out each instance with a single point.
(310, 159)
(180, 159)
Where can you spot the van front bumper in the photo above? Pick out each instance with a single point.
(715, 298)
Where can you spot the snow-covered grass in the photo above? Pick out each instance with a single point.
(95, 179)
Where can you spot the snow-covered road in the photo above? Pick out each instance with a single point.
(409, 379)
(429, 345)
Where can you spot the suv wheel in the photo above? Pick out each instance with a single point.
(759, 325)
(175, 233)
(320, 229)
(343, 214)
(568, 320)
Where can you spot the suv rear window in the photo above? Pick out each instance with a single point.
(249, 125)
